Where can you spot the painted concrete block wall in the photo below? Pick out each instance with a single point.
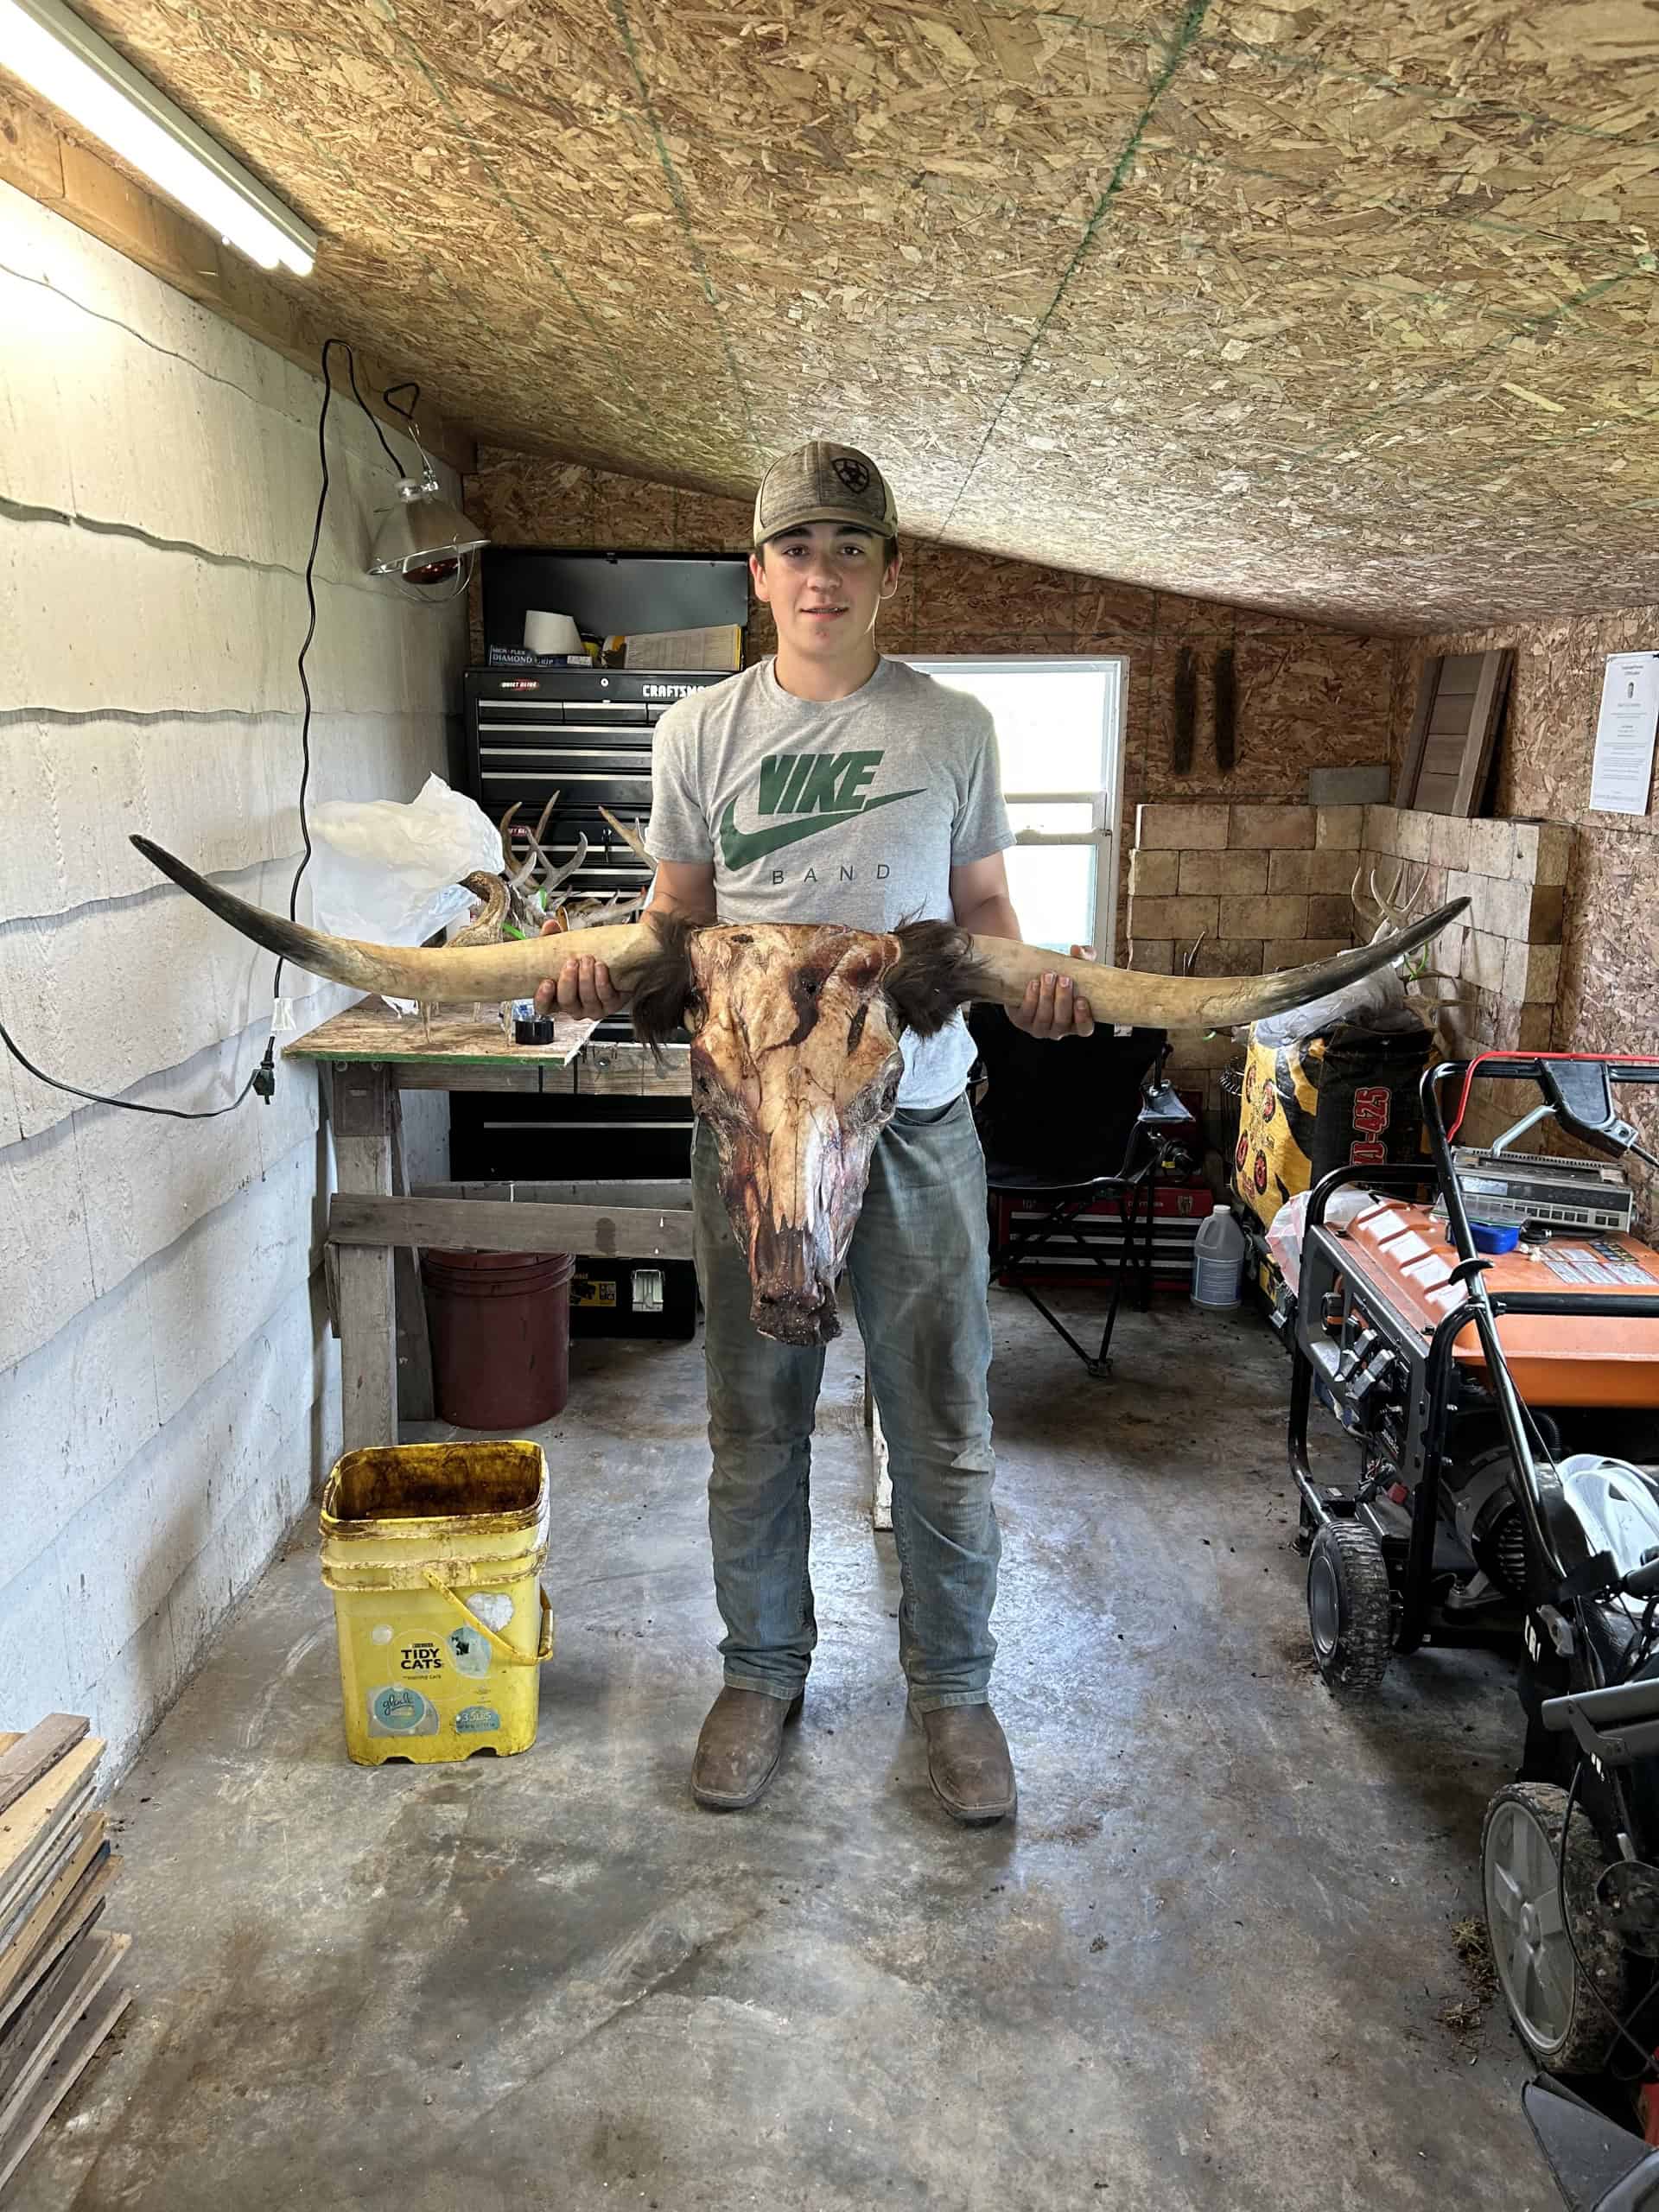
(169, 1393)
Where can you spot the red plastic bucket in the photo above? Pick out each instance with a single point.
(500, 1329)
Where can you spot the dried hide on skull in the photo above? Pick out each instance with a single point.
(795, 1067)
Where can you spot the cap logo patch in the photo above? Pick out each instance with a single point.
(853, 473)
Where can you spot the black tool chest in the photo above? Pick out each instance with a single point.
(586, 735)
(582, 732)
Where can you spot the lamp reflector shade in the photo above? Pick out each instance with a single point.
(424, 530)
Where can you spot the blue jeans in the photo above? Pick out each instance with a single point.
(917, 1265)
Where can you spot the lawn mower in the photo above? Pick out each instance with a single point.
(1489, 1338)
(1599, 2165)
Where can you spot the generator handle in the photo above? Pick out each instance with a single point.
(1529, 1067)
(1538, 1491)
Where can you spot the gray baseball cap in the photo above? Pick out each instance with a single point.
(822, 482)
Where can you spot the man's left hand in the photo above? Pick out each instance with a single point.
(1051, 1007)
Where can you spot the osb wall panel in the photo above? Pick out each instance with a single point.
(1609, 997)
(1308, 696)
(1348, 316)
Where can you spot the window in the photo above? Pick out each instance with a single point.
(1059, 733)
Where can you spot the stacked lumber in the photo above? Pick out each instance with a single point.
(57, 2002)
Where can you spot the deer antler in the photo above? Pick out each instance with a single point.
(632, 838)
(1389, 904)
(517, 876)
(1360, 900)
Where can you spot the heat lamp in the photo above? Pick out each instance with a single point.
(425, 539)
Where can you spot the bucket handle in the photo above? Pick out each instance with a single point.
(498, 1644)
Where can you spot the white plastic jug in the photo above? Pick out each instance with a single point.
(1217, 1261)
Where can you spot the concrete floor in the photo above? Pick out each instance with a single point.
(1203, 1969)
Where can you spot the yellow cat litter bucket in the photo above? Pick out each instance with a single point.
(433, 1553)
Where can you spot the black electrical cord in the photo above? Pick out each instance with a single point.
(351, 363)
(398, 407)
(328, 343)
(262, 1078)
(134, 1105)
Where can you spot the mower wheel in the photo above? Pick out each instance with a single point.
(1349, 1607)
(1550, 1980)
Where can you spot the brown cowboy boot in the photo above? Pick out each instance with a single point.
(738, 1752)
(967, 1763)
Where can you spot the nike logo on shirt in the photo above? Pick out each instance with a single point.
(742, 847)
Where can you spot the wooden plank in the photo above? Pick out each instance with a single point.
(1448, 755)
(1450, 720)
(33, 1755)
(79, 1907)
(506, 1225)
(475, 1075)
(415, 1397)
(61, 2077)
(24, 1881)
(1485, 715)
(360, 1110)
(675, 1195)
(1460, 674)
(55, 1875)
(23, 1824)
(1412, 762)
(632, 1072)
(371, 1030)
(38, 2031)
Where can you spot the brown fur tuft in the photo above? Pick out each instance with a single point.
(935, 974)
(660, 986)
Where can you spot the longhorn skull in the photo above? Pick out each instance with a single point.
(796, 1055)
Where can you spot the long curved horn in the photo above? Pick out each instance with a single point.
(994, 967)
(1125, 995)
(436, 974)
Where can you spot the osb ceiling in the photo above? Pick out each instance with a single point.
(1349, 309)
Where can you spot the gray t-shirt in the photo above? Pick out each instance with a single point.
(851, 810)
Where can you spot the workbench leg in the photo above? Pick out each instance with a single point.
(414, 1345)
(368, 1355)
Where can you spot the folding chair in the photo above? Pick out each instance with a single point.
(1065, 1125)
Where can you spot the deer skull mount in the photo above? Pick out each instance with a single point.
(796, 1027)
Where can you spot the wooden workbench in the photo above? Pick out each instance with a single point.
(376, 1224)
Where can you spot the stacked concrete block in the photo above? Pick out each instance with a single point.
(170, 1397)
(1238, 889)
(1505, 955)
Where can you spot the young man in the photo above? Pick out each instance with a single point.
(918, 828)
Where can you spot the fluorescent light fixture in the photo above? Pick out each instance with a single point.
(69, 64)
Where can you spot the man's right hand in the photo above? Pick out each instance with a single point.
(581, 987)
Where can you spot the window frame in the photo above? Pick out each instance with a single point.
(1107, 802)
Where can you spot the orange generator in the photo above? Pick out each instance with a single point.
(1439, 1303)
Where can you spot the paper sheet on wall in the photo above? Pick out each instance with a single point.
(1622, 773)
